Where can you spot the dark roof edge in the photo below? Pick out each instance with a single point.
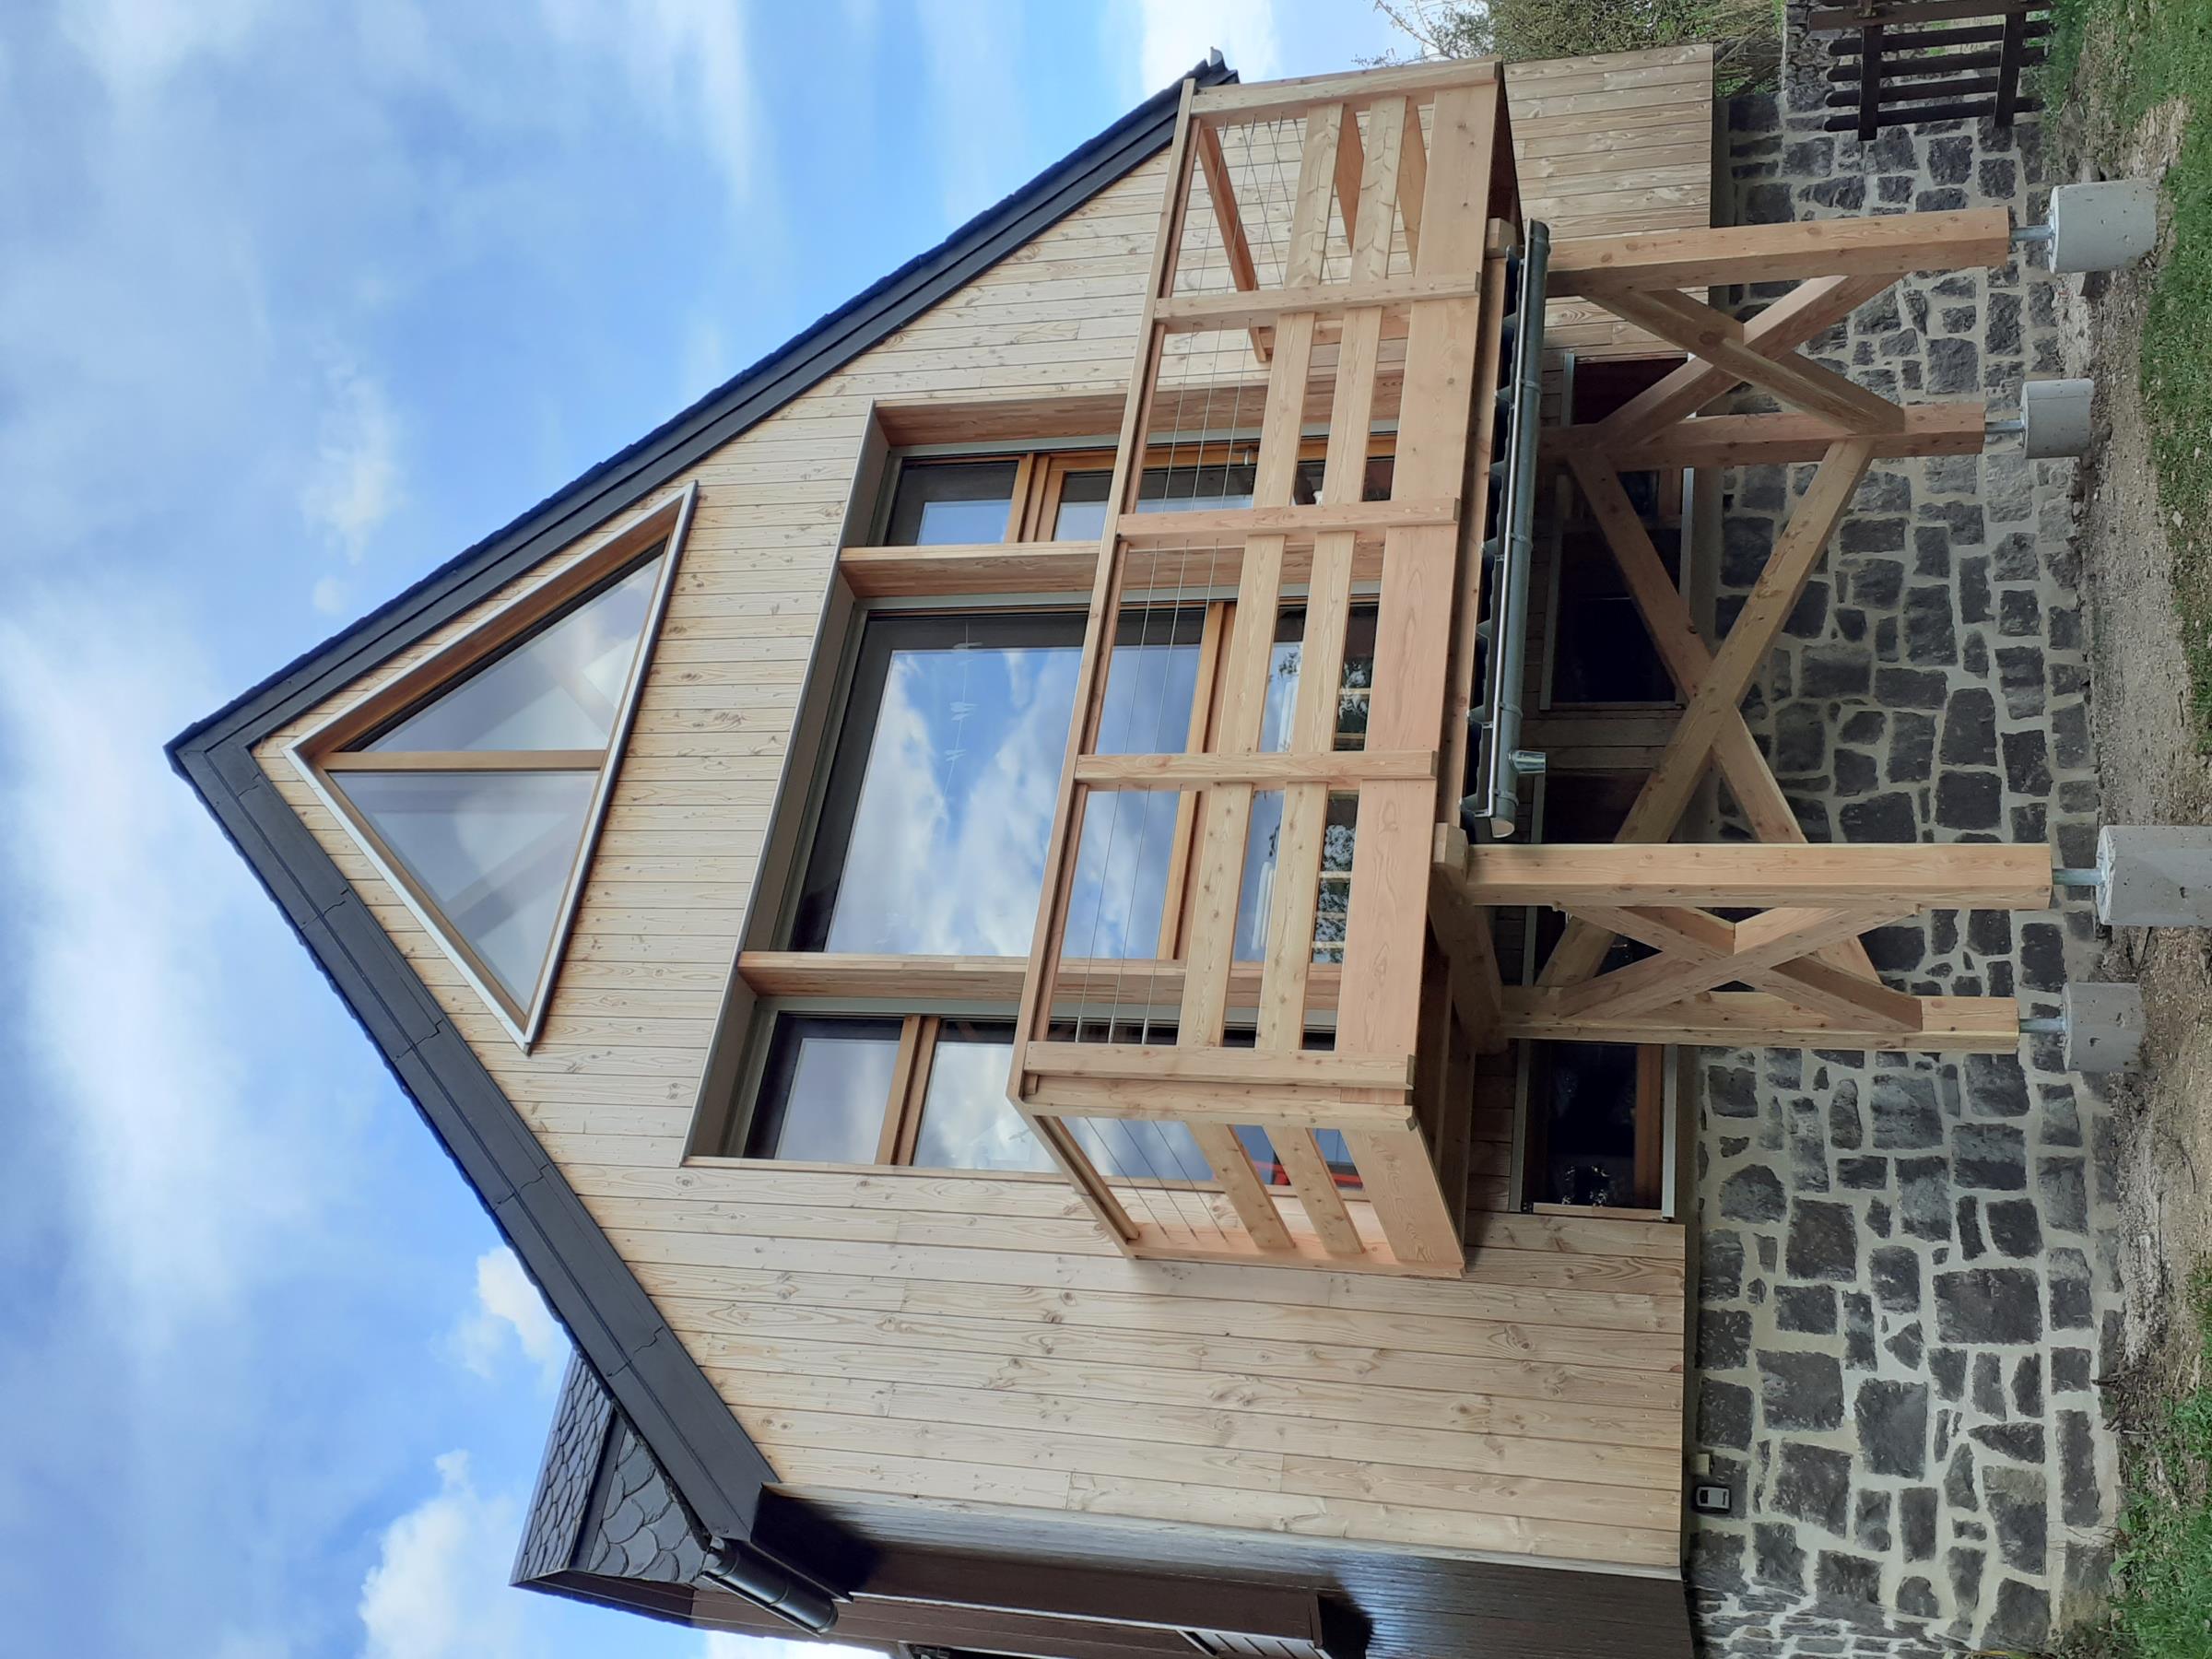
(615, 1325)
(748, 398)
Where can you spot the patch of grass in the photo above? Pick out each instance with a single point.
(2145, 54)
(2163, 1607)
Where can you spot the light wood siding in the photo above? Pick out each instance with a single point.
(953, 1339)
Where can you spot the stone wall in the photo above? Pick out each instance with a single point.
(1903, 1284)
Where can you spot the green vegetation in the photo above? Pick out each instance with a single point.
(2142, 54)
(1747, 34)
(2163, 1608)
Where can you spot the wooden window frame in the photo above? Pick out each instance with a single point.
(323, 749)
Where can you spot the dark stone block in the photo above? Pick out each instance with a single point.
(1814, 1484)
(2042, 956)
(1855, 773)
(1807, 1309)
(1776, 1557)
(1864, 535)
(2020, 677)
(2016, 559)
(1835, 671)
(1916, 1522)
(1910, 688)
(1917, 1596)
(1800, 739)
(1721, 1267)
(1894, 1274)
(1966, 1576)
(1958, 1481)
(2021, 1619)
(1950, 160)
(1870, 1521)
(1988, 1304)
(1999, 177)
(1883, 817)
(2070, 1372)
(1912, 749)
(1931, 551)
(1968, 800)
(2020, 1440)
(1753, 1194)
(1723, 1415)
(1892, 1419)
(1906, 1116)
(1858, 1331)
(1954, 367)
(2081, 1503)
(1723, 1339)
(2069, 1271)
(2028, 762)
(1993, 1156)
(1907, 1346)
(1930, 639)
(1840, 1577)
(2065, 1193)
(1947, 1366)
(1973, 589)
(1969, 729)
(2013, 1228)
(1875, 584)
(1847, 194)
(2070, 734)
(1824, 1242)
(1924, 1184)
(1808, 618)
(1732, 1091)
(1989, 1385)
(1846, 1131)
(1995, 1086)
(2028, 1386)
(1877, 1220)
(1863, 1174)
(1768, 205)
(1744, 545)
(1801, 1391)
(2019, 616)
(1969, 1231)
(1716, 1560)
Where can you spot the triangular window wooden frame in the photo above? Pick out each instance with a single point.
(337, 745)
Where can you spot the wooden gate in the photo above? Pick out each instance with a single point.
(1367, 285)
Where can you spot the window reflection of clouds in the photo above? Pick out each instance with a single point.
(834, 1113)
(967, 1121)
(946, 854)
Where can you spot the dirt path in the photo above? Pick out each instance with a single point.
(2150, 772)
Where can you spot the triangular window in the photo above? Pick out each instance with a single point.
(477, 782)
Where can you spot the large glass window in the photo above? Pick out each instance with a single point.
(940, 798)
(824, 1093)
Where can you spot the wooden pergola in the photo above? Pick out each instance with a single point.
(1391, 311)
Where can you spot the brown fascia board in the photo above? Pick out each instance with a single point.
(591, 1289)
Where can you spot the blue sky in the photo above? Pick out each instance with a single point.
(297, 300)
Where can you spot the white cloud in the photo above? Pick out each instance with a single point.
(331, 597)
(1175, 34)
(355, 484)
(509, 1308)
(124, 891)
(978, 137)
(438, 1589)
(691, 61)
(134, 43)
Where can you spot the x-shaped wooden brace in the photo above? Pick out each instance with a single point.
(1711, 728)
(1774, 950)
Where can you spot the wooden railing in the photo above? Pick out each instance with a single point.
(1886, 78)
(1329, 252)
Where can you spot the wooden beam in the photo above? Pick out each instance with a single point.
(1237, 105)
(1294, 525)
(1808, 310)
(1229, 223)
(1950, 1025)
(1463, 932)
(1845, 876)
(1340, 768)
(1718, 338)
(1217, 1143)
(1719, 441)
(1315, 1184)
(1258, 1105)
(1290, 1069)
(1202, 314)
(1137, 982)
(1889, 245)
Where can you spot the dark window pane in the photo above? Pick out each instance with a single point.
(966, 1121)
(559, 688)
(946, 502)
(1082, 512)
(493, 850)
(825, 1089)
(1586, 1095)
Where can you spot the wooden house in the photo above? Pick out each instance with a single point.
(1059, 922)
